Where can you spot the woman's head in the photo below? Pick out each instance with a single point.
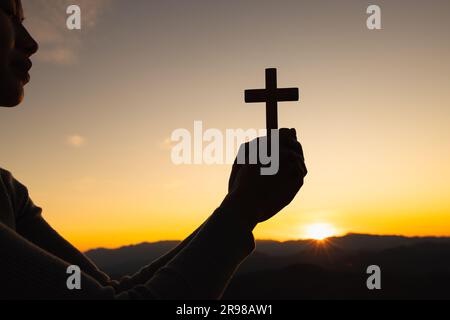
(16, 48)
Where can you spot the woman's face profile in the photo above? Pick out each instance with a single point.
(16, 48)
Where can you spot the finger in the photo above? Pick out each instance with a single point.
(286, 137)
(292, 158)
(233, 175)
(300, 162)
(293, 180)
(237, 165)
(294, 133)
(296, 147)
(299, 149)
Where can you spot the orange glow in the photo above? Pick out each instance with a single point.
(92, 138)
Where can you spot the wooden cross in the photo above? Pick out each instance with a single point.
(271, 95)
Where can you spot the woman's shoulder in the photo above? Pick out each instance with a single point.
(5, 174)
(10, 182)
(18, 194)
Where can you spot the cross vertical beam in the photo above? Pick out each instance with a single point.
(271, 95)
(271, 102)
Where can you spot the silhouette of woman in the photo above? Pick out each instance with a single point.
(34, 258)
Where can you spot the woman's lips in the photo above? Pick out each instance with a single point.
(21, 68)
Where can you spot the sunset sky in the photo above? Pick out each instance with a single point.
(91, 139)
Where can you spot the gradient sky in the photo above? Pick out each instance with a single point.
(90, 141)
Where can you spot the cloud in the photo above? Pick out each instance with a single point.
(76, 141)
(46, 21)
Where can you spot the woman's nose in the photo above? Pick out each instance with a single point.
(26, 42)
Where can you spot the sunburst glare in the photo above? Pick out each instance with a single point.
(320, 231)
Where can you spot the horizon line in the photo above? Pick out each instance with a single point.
(284, 241)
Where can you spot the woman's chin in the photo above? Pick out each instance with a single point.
(13, 99)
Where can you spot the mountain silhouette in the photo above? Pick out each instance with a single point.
(412, 268)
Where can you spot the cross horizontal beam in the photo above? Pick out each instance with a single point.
(280, 95)
(271, 95)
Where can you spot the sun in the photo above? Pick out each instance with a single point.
(320, 231)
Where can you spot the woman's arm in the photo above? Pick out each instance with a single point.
(200, 271)
(207, 263)
(200, 267)
(33, 227)
(146, 273)
(28, 272)
(40, 233)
